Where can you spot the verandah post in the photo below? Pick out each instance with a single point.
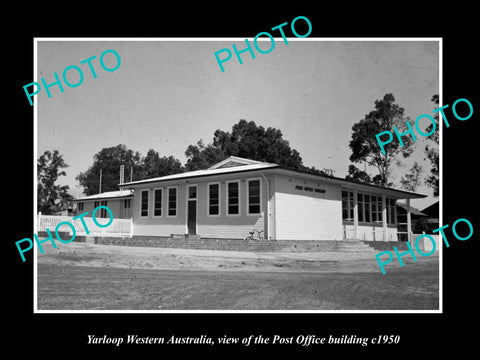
(409, 221)
(355, 214)
(384, 216)
(131, 227)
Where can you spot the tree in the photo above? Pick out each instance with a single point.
(432, 153)
(355, 174)
(412, 180)
(51, 198)
(249, 141)
(202, 157)
(109, 161)
(364, 145)
(154, 166)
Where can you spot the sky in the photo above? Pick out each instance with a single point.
(166, 95)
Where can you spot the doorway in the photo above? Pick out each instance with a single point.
(192, 210)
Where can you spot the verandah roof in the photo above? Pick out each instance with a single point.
(108, 195)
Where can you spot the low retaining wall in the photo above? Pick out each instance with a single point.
(65, 235)
(424, 244)
(387, 245)
(240, 245)
(218, 244)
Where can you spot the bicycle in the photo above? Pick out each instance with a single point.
(251, 236)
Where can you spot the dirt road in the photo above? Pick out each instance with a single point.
(85, 254)
(82, 276)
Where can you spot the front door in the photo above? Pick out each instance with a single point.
(192, 217)
(192, 210)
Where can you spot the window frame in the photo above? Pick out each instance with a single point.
(219, 199)
(372, 207)
(127, 210)
(103, 212)
(168, 201)
(350, 206)
(141, 203)
(361, 207)
(380, 209)
(161, 202)
(187, 192)
(260, 207)
(228, 198)
(367, 208)
(391, 211)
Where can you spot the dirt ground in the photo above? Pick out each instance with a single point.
(86, 254)
(83, 276)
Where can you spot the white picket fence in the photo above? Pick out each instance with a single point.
(425, 244)
(118, 227)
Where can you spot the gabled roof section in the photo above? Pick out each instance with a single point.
(413, 210)
(234, 161)
(433, 210)
(230, 165)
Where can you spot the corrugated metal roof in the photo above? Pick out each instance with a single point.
(205, 172)
(249, 165)
(108, 195)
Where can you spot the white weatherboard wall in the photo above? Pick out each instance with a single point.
(229, 226)
(302, 215)
(115, 205)
(159, 226)
(221, 226)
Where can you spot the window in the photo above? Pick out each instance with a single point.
(172, 201)
(157, 202)
(391, 215)
(376, 208)
(367, 208)
(103, 212)
(80, 206)
(144, 203)
(192, 192)
(254, 196)
(309, 189)
(364, 207)
(347, 205)
(361, 207)
(214, 199)
(233, 198)
(127, 204)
